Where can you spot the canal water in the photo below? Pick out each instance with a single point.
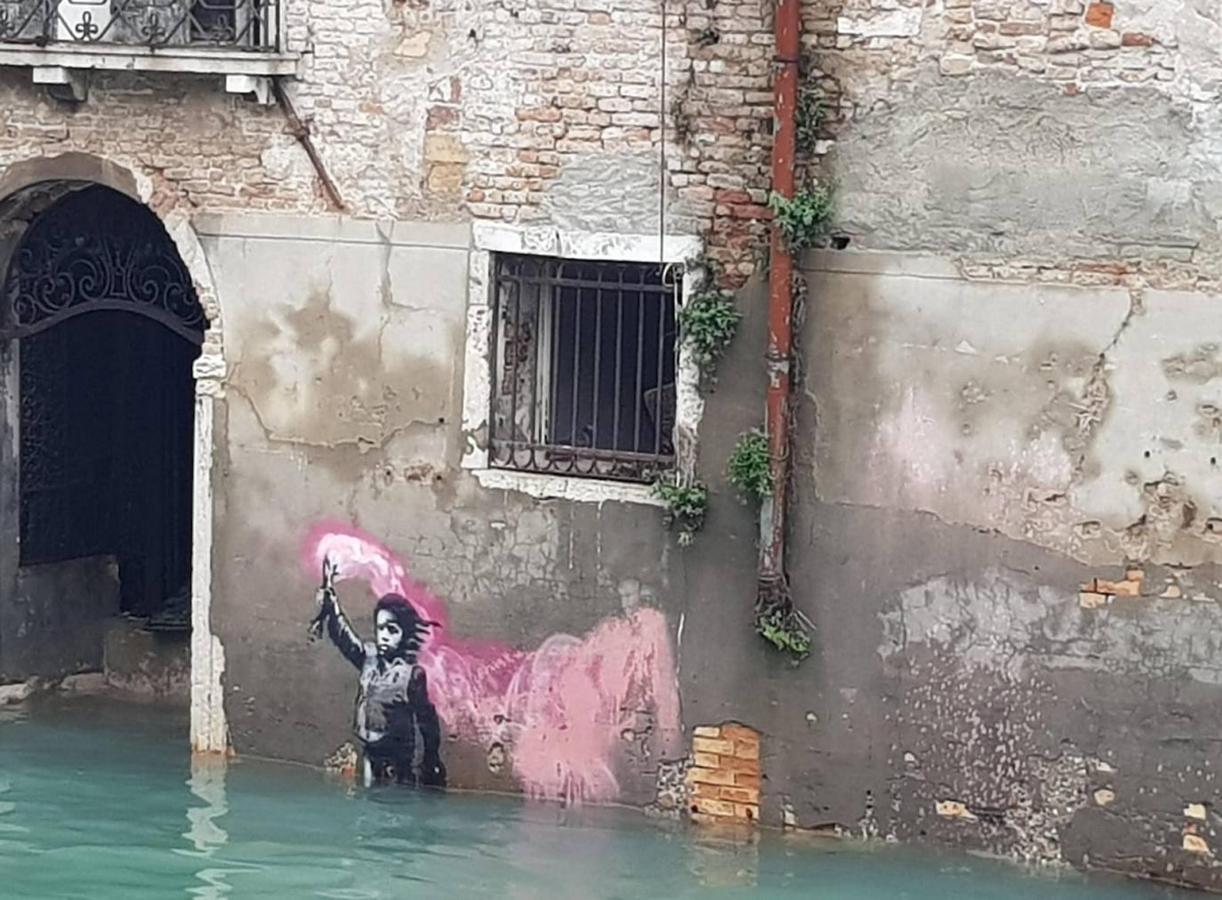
(99, 801)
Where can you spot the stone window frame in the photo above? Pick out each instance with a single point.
(489, 238)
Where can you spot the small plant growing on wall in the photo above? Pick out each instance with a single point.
(707, 323)
(802, 218)
(785, 628)
(750, 466)
(807, 119)
(685, 506)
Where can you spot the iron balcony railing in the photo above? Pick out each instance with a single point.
(230, 24)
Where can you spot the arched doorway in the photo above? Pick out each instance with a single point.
(106, 326)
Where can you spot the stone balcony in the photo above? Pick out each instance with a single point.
(61, 41)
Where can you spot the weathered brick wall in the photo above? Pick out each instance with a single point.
(553, 111)
(521, 112)
(1062, 140)
(868, 48)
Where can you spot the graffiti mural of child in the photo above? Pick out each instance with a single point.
(392, 700)
(562, 715)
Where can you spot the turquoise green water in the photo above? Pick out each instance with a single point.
(98, 801)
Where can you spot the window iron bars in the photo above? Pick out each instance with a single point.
(583, 367)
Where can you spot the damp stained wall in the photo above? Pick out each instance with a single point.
(1006, 467)
(1004, 480)
(552, 666)
(1026, 310)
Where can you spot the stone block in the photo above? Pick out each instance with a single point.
(713, 745)
(17, 693)
(445, 178)
(739, 795)
(1100, 15)
(1091, 599)
(1195, 811)
(711, 776)
(747, 750)
(84, 683)
(956, 65)
(738, 764)
(953, 809)
(444, 148)
(1194, 843)
(707, 731)
(1118, 588)
(745, 779)
(441, 117)
(713, 807)
(733, 731)
(706, 760)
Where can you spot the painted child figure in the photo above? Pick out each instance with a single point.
(392, 699)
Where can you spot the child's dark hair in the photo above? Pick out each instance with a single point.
(415, 628)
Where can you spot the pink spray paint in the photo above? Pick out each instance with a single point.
(561, 709)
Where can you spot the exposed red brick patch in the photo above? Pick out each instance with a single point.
(1136, 39)
(725, 777)
(1100, 15)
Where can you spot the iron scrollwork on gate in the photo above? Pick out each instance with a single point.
(96, 250)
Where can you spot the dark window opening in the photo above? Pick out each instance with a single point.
(584, 367)
(96, 295)
(213, 21)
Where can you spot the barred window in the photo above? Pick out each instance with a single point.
(583, 367)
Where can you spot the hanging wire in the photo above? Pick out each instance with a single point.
(662, 147)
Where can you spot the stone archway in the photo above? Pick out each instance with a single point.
(26, 190)
(108, 327)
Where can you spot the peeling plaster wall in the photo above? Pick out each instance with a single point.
(1010, 397)
(955, 433)
(1078, 418)
(1006, 463)
(343, 405)
(974, 458)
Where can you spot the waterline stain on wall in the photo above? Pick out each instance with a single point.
(560, 713)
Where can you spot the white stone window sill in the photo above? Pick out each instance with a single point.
(118, 57)
(560, 487)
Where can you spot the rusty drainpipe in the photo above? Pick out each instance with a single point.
(772, 580)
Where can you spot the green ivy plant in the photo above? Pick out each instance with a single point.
(807, 119)
(802, 218)
(750, 466)
(685, 506)
(786, 629)
(707, 323)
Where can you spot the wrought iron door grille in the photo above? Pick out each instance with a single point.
(96, 249)
(232, 24)
(583, 367)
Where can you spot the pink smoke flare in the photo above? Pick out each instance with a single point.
(560, 710)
